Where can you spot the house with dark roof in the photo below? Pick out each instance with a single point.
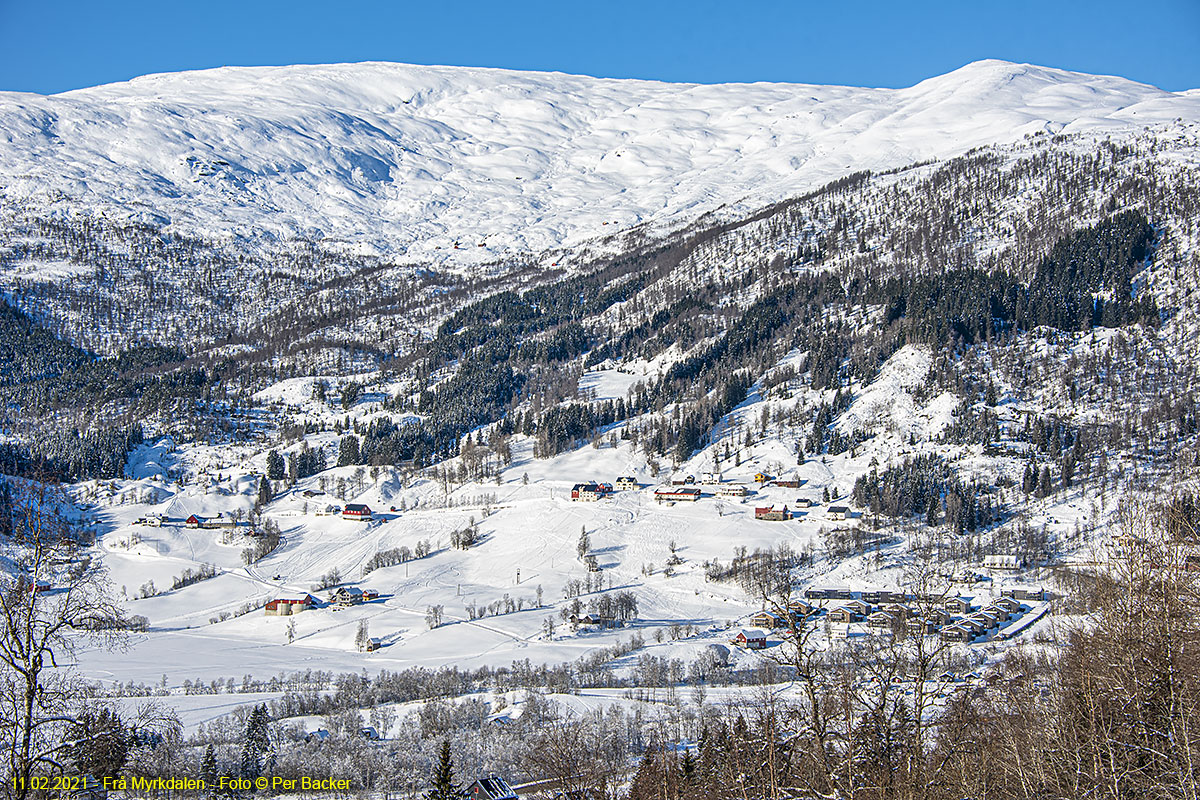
(492, 787)
(346, 596)
(688, 493)
(357, 511)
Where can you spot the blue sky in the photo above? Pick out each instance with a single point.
(55, 45)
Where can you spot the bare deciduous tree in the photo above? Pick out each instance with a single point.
(57, 598)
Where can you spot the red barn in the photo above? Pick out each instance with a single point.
(356, 511)
(773, 513)
(286, 606)
(751, 639)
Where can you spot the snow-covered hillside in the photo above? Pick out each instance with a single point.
(459, 166)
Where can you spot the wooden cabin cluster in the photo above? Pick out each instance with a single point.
(954, 619)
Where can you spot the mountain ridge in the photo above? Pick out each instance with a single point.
(463, 166)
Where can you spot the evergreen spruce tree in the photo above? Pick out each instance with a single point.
(1044, 486)
(647, 782)
(264, 492)
(931, 511)
(989, 396)
(584, 545)
(208, 772)
(688, 765)
(1029, 481)
(257, 752)
(348, 454)
(275, 466)
(102, 743)
(444, 787)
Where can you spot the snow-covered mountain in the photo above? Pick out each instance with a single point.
(428, 163)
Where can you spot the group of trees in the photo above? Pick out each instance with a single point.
(926, 486)
(70, 455)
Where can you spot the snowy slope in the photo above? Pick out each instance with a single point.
(433, 162)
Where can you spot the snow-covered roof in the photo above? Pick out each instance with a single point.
(752, 633)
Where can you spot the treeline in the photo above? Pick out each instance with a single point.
(70, 455)
(926, 485)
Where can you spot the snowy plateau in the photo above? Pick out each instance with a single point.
(947, 333)
(411, 160)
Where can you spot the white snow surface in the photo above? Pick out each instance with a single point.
(464, 166)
